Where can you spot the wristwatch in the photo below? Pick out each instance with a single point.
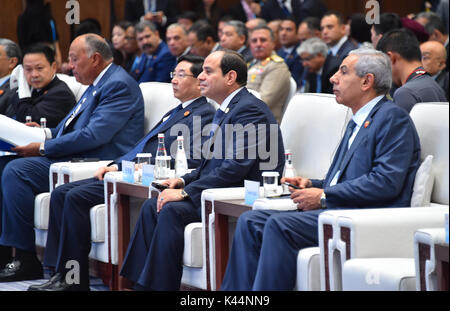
(323, 200)
(41, 149)
(184, 194)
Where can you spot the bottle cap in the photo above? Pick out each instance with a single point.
(287, 151)
(270, 174)
(180, 138)
(161, 135)
(144, 155)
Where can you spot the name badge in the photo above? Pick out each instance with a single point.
(251, 191)
(128, 171)
(147, 174)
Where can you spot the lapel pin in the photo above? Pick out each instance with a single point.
(1, 92)
(366, 124)
(226, 110)
(187, 113)
(93, 93)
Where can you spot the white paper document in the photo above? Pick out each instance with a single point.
(13, 133)
(281, 204)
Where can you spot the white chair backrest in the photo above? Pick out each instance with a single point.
(76, 87)
(432, 124)
(312, 128)
(292, 91)
(158, 100)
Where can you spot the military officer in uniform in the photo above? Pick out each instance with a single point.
(268, 73)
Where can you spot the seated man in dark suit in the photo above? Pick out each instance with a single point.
(234, 37)
(299, 10)
(10, 57)
(333, 34)
(313, 53)
(154, 257)
(434, 58)
(70, 203)
(374, 166)
(106, 123)
(40, 93)
(415, 84)
(289, 44)
(157, 62)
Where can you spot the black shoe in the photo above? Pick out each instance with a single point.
(20, 271)
(57, 284)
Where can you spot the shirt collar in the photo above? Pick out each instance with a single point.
(227, 100)
(334, 49)
(361, 115)
(101, 75)
(188, 102)
(4, 79)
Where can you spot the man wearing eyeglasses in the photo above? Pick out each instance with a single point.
(70, 203)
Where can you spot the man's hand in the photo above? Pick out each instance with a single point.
(300, 182)
(33, 124)
(30, 150)
(168, 195)
(100, 173)
(173, 183)
(307, 199)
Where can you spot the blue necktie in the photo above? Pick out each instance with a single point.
(140, 146)
(215, 122)
(318, 83)
(75, 110)
(286, 12)
(342, 151)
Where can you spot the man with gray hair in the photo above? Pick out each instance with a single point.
(10, 56)
(105, 124)
(380, 149)
(313, 53)
(176, 37)
(234, 37)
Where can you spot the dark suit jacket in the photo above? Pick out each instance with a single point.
(53, 102)
(156, 67)
(300, 10)
(134, 9)
(247, 54)
(380, 167)
(221, 170)
(442, 80)
(293, 62)
(108, 124)
(183, 121)
(5, 96)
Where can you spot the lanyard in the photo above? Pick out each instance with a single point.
(419, 71)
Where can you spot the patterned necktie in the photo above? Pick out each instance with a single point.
(342, 151)
(215, 122)
(141, 145)
(248, 10)
(74, 111)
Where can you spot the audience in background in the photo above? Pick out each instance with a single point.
(288, 51)
(434, 56)
(234, 37)
(10, 57)
(202, 39)
(309, 28)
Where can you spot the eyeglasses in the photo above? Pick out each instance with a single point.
(179, 75)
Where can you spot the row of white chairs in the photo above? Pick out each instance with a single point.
(309, 118)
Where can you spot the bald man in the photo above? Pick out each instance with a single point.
(434, 58)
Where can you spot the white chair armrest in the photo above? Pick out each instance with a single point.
(81, 170)
(41, 210)
(193, 255)
(308, 271)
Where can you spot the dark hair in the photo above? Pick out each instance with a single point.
(41, 48)
(359, 29)
(435, 23)
(88, 25)
(265, 27)
(291, 19)
(388, 21)
(196, 61)
(312, 22)
(401, 41)
(203, 30)
(232, 60)
(338, 14)
(191, 15)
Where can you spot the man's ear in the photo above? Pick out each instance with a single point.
(393, 56)
(12, 63)
(368, 82)
(231, 77)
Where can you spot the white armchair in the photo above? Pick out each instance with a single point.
(374, 248)
(76, 87)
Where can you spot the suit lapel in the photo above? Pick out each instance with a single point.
(362, 133)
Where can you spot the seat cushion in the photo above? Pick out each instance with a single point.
(379, 274)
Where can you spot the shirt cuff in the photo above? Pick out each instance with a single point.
(48, 134)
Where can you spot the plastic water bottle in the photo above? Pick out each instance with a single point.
(162, 161)
(43, 123)
(289, 170)
(181, 166)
